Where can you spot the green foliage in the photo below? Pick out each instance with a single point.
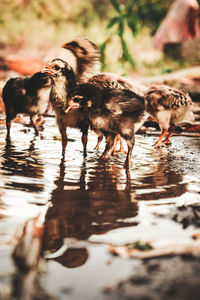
(133, 15)
(116, 6)
(102, 48)
(45, 18)
(41, 24)
(140, 246)
(126, 56)
(148, 13)
(122, 20)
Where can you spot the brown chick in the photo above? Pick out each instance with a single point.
(111, 111)
(169, 106)
(88, 67)
(28, 95)
(87, 58)
(63, 80)
(113, 81)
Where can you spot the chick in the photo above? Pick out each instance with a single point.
(113, 81)
(87, 57)
(88, 67)
(26, 95)
(88, 71)
(169, 106)
(111, 111)
(63, 80)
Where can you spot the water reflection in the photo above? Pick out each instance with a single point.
(88, 199)
(162, 183)
(23, 169)
(28, 259)
(96, 204)
(102, 199)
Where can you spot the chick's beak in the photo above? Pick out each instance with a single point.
(66, 46)
(47, 70)
(72, 105)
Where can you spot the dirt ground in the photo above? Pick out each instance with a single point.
(169, 278)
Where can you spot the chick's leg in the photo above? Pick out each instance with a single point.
(100, 137)
(32, 120)
(84, 129)
(109, 146)
(159, 141)
(84, 140)
(8, 125)
(9, 118)
(39, 121)
(62, 129)
(121, 149)
(170, 133)
(130, 144)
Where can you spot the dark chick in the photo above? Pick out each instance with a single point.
(114, 81)
(88, 56)
(111, 111)
(26, 95)
(169, 106)
(63, 81)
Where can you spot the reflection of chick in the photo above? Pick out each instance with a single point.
(169, 106)
(161, 183)
(26, 95)
(21, 166)
(111, 111)
(73, 257)
(94, 205)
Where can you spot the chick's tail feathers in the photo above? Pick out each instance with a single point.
(88, 58)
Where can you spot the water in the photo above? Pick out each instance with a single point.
(85, 205)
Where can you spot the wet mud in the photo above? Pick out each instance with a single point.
(58, 216)
(151, 283)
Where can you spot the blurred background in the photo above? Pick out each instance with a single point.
(127, 31)
(70, 200)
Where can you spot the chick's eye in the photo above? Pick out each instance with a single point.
(76, 99)
(56, 67)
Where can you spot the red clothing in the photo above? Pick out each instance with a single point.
(181, 23)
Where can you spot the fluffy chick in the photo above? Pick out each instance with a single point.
(88, 71)
(113, 81)
(169, 106)
(87, 57)
(88, 67)
(64, 80)
(111, 111)
(26, 95)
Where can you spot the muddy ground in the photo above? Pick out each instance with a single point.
(59, 217)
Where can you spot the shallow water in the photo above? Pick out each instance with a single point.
(86, 205)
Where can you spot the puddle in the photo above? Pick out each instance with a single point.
(87, 204)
